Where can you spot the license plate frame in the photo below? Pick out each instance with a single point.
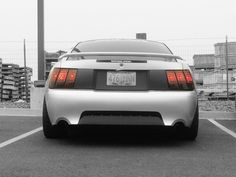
(121, 78)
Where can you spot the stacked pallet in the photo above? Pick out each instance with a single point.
(0, 79)
(13, 82)
(10, 82)
(24, 86)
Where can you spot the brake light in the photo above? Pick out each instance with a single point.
(71, 77)
(171, 77)
(53, 76)
(180, 77)
(62, 78)
(188, 77)
(180, 80)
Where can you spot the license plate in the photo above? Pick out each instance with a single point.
(121, 78)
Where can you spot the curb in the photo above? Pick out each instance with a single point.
(17, 112)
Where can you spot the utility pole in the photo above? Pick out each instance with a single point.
(227, 65)
(26, 78)
(41, 66)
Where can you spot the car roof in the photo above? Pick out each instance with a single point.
(120, 39)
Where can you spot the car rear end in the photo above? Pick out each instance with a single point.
(121, 90)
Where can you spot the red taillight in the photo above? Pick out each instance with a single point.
(62, 78)
(53, 77)
(180, 80)
(180, 77)
(171, 77)
(70, 80)
(188, 77)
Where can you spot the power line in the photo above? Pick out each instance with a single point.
(182, 39)
(75, 41)
(36, 41)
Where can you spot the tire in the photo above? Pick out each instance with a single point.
(50, 131)
(191, 132)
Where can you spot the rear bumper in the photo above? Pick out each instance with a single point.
(173, 106)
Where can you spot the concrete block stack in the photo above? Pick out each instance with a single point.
(13, 83)
(25, 94)
(10, 83)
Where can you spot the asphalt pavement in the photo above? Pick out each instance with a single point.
(118, 152)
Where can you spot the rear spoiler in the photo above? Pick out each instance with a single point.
(123, 54)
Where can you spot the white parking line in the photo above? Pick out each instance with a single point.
(10, 141)
(203, 118)
(230, 132)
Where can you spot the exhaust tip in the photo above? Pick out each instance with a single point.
(179, 125)
(62, 124)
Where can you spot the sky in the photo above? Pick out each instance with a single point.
(188, 27)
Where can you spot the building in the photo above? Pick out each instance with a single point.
(204, 61)
(210, 69)
(203, 64)
(216, 81)
(220, 52)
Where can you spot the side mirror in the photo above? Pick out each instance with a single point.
(39, 83)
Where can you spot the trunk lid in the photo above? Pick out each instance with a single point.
(122, 65)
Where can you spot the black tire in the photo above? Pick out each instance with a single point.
(191, 132)
(50, 131)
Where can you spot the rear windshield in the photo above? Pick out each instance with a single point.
(122, 46)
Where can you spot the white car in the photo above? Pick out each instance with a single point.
(120, 82)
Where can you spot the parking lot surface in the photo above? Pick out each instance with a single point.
(115, 152)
